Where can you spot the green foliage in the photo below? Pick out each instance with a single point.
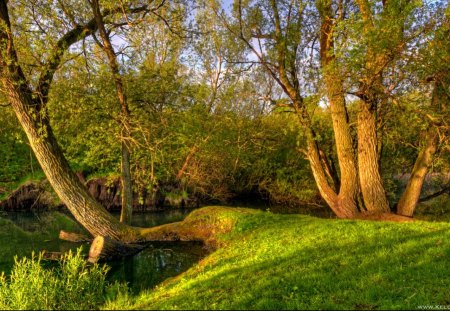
(278, 262)
(17, 159)
(197, 102)
(72, 285)
(436, 209)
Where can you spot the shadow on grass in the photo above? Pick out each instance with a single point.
(348, 265)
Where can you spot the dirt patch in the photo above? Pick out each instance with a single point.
(30, 195)
(385, 217)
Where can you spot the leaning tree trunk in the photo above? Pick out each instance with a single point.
(66, 184)
(408, 201)
(372, 188)
(34, 120)
(439, 100)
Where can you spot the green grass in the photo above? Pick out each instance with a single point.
(72, 284)
(272, 261)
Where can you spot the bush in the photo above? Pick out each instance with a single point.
(72, 284)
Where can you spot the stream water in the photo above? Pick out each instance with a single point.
(145, 270)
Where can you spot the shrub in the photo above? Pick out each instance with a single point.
(72, 284)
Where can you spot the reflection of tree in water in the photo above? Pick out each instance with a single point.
(155, 264)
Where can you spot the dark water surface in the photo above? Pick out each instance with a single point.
(159, 261)
(151, 266)
(156, 263)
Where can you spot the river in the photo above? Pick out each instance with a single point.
(148, 268)
(156, 263)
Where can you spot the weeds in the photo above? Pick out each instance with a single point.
(72, 284)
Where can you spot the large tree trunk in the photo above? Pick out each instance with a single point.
(349, 186)
(372, 188)
(127, 192)
(34, 120)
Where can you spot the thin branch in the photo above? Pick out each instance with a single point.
(445, 190)
(54, 59)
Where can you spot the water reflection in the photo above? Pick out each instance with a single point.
(155, 264)
(143, 271)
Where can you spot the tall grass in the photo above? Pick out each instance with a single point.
(71, 284)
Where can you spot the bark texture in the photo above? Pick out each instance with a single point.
(33, 117)
(372, 188)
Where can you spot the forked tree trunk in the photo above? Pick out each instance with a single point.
(349, 186)
(341, 208)
(372, 188)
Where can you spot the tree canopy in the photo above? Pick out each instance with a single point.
(326, 102)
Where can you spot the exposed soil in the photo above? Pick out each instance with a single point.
(386, 217)
(30, 195)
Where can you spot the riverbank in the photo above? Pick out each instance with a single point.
(272, 261)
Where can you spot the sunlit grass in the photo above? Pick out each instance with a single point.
(72, 284)
(272, 261)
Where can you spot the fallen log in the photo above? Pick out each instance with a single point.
(105, 249)
(73, 237)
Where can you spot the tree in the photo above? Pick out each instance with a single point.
(373, 40)
(127, 192)
(29, 105)
(436, 58)
(279, 40)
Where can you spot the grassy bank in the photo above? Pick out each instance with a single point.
(271, 261)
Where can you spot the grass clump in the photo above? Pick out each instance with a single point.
(272, 261)
(71, 285)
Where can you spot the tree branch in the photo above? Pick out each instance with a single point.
(78, 33)
(444, 190)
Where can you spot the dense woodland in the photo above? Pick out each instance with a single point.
(336, 105)
(340, 102)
